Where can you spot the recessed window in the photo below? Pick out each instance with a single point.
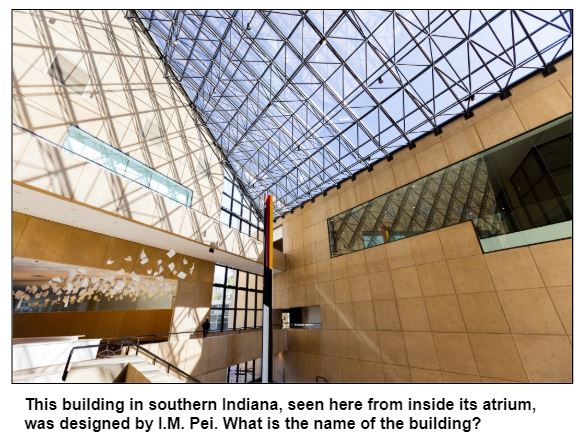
(517, 193)
(90, 148)
(237, 301)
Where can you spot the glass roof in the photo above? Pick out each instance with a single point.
(299, 100)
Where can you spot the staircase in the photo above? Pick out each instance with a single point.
(115, 363)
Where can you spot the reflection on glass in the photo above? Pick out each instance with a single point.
(216, 319)
(522, 184)
(99, 152)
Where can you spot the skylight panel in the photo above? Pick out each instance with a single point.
(295, 87)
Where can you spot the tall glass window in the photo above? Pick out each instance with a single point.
(90, 148)
(518, 193)
(236, 209)
(237, 300)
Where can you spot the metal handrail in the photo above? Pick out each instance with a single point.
(163, 361)
(138, 349)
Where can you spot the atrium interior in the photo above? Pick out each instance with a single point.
(237, 196)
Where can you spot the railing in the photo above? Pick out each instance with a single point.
(169, 366)
(139, 349)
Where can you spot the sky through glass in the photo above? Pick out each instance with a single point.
(299, 100)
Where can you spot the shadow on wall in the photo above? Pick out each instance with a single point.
(90, 69)
(207, 359)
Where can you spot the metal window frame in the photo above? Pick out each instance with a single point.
(244, 203)
(224, 286)
(233, 67)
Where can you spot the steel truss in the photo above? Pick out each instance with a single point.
(300, 100)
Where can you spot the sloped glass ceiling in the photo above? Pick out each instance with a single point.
(300, 99)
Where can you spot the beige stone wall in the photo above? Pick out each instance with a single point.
(127, 103)
(433, 307)
(206, 359)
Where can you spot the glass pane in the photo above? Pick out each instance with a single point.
(241, 373)
(229, 319)
(116, 161)
(217, 298)
(139, 173)
(258, 318)
(225, 217)
(251, 299)
(242, 279)
(231, 277)
(240, 322)
(242, 117)
(252, 280)
(219, 277)
(215, 319)
(241, 298)
(226, 201)
(229, 298)
(236, 194)
(258, 368)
